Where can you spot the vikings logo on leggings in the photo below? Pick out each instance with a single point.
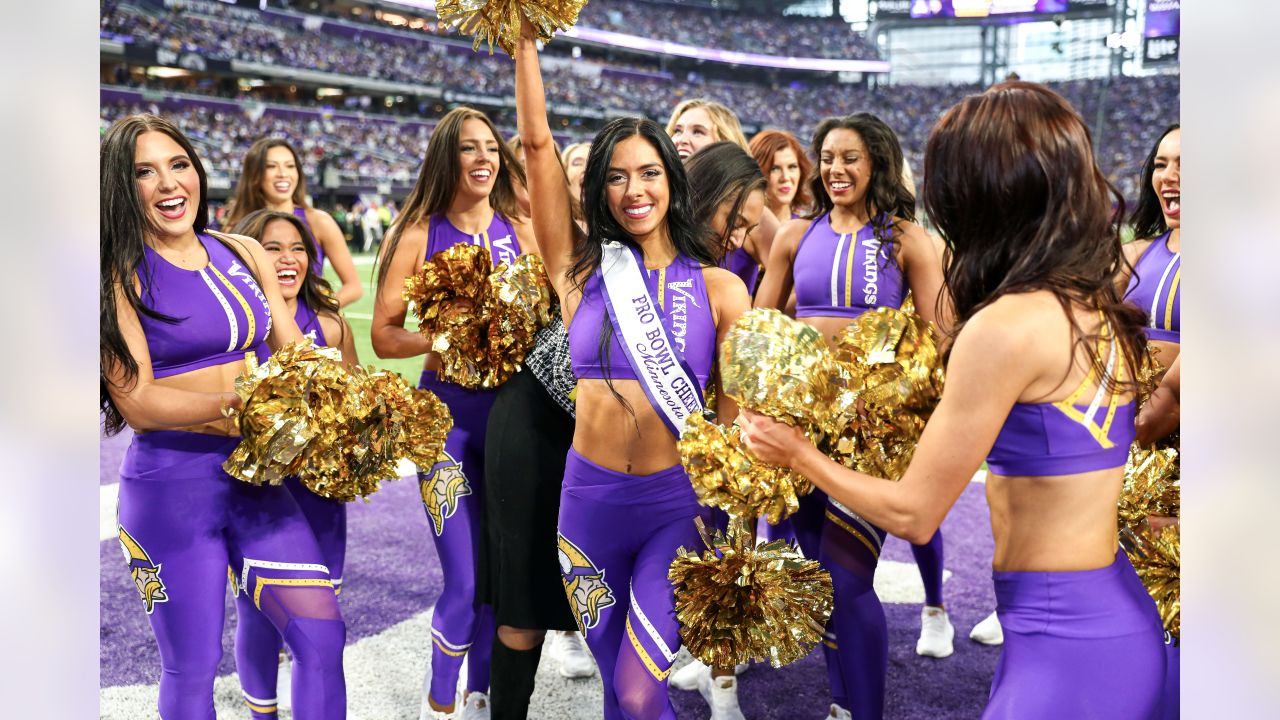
(441, 491)
(146, 574)
(584, 584)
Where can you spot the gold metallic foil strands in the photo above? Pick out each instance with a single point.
(724, 475)
(288, 402)
(1149, 374)
(498, 21)
(739, 601)
(1152, 485)
(895, 371)
(779, 367)
(1157, 557)
(519, 305)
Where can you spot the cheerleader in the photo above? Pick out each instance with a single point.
(180, 308)
(464, 194)
(575, 161)
(272, 179)
(858, 249)
(310, 300)
(1154, 287)
(645, 308)
(785, 165)
(1039, 383)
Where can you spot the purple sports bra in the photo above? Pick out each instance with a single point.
(318, 266)
(844, 274)
(680, 292)
(1064, 437)
(1154, 287)
(499, 238)
(308, 323)
(739, 262)
(221, 311)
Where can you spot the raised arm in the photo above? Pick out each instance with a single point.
(147, 405)
(330, 237)
(387, 331)
(552, 216)
(776, 286)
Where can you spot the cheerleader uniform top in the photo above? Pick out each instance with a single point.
(308, 322)
(1067, 437)
(1154, 287)
(739, 262)
(220, 310)
(844, 274)
(499, 238)
(680, 293)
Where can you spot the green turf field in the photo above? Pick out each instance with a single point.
(359, 314)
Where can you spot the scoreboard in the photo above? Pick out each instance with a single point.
(1161, 31)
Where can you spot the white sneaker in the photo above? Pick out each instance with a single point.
(988, 632)
(722, 695)
(476, 707)
(936, 633)
(429, 713)
(570, 651)
(839, 713)
(688, 677)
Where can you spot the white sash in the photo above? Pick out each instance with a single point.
(672, 388)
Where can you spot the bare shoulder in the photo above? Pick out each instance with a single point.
(1011, 325)
(412, 239)
(334, 327)
(720, 281)
(317, 217)
(790, 232)
(1134, 250)
(244, 243)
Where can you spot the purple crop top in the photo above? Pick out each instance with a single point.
(1154, 287)
(318, 266)
(308, 323)
(221, 311)
(1064, 438)
(499, 239)
(844, 274)
(739, 262)
(681, 293)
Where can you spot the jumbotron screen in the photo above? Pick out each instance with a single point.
(984, 8)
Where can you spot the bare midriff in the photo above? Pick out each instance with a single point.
(1060, 523)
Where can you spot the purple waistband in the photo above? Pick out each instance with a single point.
(1173, 336)
(668, 489)
(1106, 602)
(176, 455)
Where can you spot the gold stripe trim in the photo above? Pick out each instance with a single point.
(1173, 293)
(659, 675)
(447, 651)
(260, 708)
(291, 582)
(853, 531)
(662, 288)
(248, 313)
(848, 272)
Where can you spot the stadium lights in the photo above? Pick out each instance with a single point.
(1127, 40)
(328, 92)
(157, 71)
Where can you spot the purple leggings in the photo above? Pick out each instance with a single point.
(257, 642)
(182, 522)
(1084, 644)
(618, 536)
(452, 496)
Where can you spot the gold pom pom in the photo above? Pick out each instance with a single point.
(1152, 485)
(519, 305)
(724, 475)
(1157, 557)
(383, 421)
(296, 396)
(498, 21)
(739, 601)
(896, 373)
(783, 368)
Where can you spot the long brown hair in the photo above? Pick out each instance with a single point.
(768, 143)
(718, 173)
(249, 196)
(1011, 181)
(437, 181)
(315, 292)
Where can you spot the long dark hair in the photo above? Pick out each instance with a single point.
(437, 181)
(122, 229)
(249, 196)
(315, 292)
(690, 237)
(768, 143)
(1148, 216)
(888, 199)
(1011, 181)
(718, 173)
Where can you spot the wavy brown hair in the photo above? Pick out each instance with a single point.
(437, 181)
(1011, 182)
(249, 196)
(768, 143)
